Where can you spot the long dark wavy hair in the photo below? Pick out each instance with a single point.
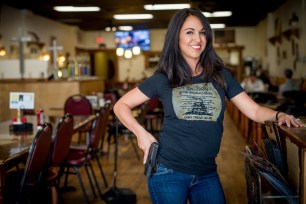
(173, 64)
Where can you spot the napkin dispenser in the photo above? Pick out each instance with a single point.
(22, 127)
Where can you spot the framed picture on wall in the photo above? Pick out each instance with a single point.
(284, 54)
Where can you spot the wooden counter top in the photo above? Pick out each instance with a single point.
(296, 135)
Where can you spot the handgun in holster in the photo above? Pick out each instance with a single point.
(151, 163)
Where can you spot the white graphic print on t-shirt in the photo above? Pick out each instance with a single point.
(197, 102)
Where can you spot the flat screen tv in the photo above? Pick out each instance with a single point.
(129, 39)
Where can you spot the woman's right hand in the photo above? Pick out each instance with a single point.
(144, 142)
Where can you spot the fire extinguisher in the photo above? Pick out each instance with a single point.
(40, 117)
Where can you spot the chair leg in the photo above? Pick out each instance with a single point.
(102, 173)
(134, 147)
(54, 194)
(54, 191)
(90, 181)
(96, 181)
(101, 148)
(82, 185)
(111, 134)
(66, 177)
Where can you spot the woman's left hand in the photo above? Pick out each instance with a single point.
(289, 120)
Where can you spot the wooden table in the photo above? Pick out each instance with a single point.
(14, 148)
(294, 144)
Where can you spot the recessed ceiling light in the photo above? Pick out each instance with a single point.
(76, 8)
(108, 29)
(217, 25)
(132, 16)
(125, 28)
(166, 6)
(218, 14)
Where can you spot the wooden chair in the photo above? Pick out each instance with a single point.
(29, 189)
(80, 156)
(109, 116)
(61, 142)
(79, 105)
(266, 173)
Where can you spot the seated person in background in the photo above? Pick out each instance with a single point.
(264, 76)
(289, 84)
(253, 84)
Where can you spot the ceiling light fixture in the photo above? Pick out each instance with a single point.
(120, 51)
(217, 25)
(218, 14)
(125, 28)
(76, 8)
(166, 6)
(128, 52)
(132, 16)
(136, 50)
(2, 51)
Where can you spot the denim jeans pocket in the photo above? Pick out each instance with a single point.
(162, 169)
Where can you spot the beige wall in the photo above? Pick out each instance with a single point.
(14, 21)
(278, 63)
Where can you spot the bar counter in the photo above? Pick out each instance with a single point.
(294, 143)
(50, 95)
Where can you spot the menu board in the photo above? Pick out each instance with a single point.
(21, 100)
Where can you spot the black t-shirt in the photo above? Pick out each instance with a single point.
(193, 121)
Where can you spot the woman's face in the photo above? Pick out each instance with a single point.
(192, 39)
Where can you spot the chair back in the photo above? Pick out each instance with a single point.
(272, 131)
(78, 105)
(38, 155)
(296, 97)
(294, 103)
(153, 104)
(110, 98)
(143, 112)
(261, 97)
(100, 126)
(61, 140)
(274, 146)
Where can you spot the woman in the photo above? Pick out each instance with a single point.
(192, 83)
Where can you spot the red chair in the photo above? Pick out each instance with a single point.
(30, 189)
(81, 156)
(79, 105)
(110, 98)
(154, 116)
(61, 142)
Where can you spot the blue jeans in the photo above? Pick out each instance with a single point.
(169, 187)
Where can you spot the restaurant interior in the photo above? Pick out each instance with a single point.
(61, 72)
